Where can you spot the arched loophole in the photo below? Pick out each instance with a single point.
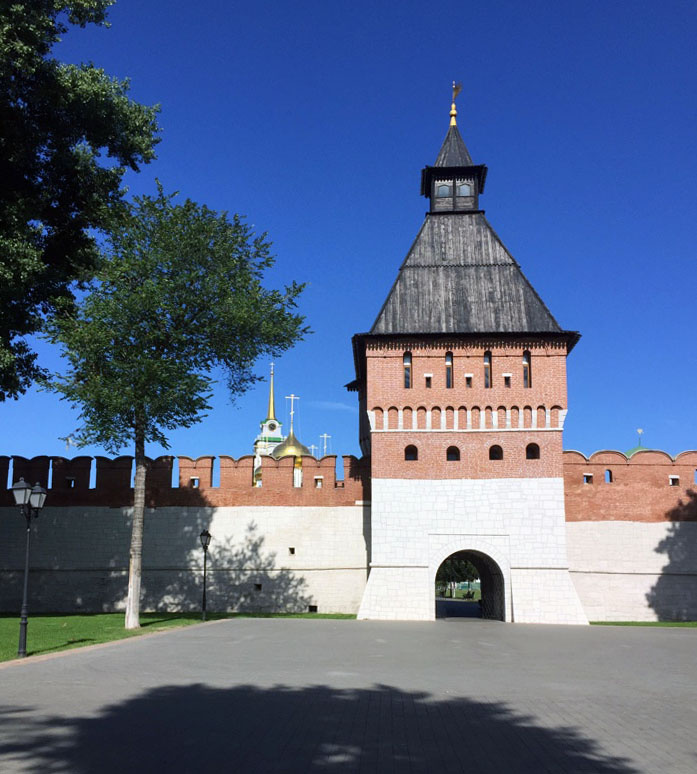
(532, 452)
(452, 454)
(495, 452)
(411, 453)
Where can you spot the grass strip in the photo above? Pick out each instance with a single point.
(682, 624)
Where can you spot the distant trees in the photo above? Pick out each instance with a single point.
(453, 571)
(177, 296)
(67, 134)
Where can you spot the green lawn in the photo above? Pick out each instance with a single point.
(51, 633)
(644, 623)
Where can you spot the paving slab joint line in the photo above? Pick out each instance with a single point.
(135, 638)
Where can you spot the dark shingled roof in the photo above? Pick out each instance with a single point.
(453, 152)
(459, 278)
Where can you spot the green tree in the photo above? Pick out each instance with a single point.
(67, 134)
(178, 297)
(455, 570)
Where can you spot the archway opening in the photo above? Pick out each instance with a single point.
(469, 584)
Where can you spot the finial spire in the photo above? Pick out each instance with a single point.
(271, 414)
(292, 398)
(457, 88)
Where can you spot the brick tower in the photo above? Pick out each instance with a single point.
(462, 391)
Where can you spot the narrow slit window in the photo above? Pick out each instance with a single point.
(587, 478)
(468, 380)
(527, 370)
(449, 370)
(428, 382)
(411, 453)
(70, 483)
(452, 454)
(407, 369)
(608, 476)
(495, 453)
(291, 550)
(506, 381)
(487, 369)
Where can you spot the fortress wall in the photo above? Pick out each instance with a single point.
(70, 481)
(634, 571)
(640, 490)
(79, 558)
(632, 543)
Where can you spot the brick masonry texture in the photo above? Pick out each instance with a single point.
(640, 490)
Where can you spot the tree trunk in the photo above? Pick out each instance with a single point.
(136, 553)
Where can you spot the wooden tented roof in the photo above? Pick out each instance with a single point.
(459, 278)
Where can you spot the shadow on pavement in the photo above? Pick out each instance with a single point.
(457, 608)
(281, 729)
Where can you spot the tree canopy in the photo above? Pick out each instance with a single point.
(178, 296)
(67, 134)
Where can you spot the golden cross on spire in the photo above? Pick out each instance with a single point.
(457, 88)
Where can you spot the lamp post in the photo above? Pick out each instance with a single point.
(205, 538)
(30, 501)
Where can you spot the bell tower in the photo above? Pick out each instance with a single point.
(462, 390)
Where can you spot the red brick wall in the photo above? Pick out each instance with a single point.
(113, 481)
(388, 455)
(385, 374)
(640, 488)
(386, 394)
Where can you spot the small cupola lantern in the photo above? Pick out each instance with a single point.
(454, 182)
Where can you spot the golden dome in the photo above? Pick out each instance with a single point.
(291, 447)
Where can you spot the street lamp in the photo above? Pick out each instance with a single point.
(205, 538)
(30, 501)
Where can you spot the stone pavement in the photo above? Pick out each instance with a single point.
(260, 695)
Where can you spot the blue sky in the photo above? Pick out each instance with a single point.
(314, 120)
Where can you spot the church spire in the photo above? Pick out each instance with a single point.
(271, 414)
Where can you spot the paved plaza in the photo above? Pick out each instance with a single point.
(270, 695)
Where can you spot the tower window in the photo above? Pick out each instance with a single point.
(428, 381)
(448, 369)
(452, 454)
(468, 380)
(674, 480)
(443, 190)
(319, 480)
(587, 478)
(495, 453)
(532, 452)
(464, 189)
(608, 476)
(527, 369)
(407, 369)
(194, 482)
(487, 369)
(411, 453)
(506, 380)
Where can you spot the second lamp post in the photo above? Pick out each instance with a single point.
(205, 538)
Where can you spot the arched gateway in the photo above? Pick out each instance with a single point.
(494, 586)
(462, 326)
